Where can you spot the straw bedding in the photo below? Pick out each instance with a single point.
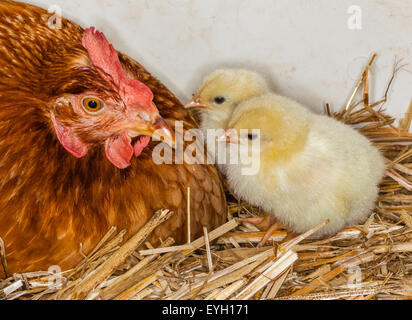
(369, 261)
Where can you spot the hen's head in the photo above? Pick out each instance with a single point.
(99, 104)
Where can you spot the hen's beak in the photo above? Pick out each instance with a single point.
(229, 136)
(156, 128)
(196, 103)
(163, 132)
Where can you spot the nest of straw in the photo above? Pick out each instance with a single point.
(369, 261)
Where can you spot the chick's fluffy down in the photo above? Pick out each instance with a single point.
(330, 171)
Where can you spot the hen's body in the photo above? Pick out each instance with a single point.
(50, 201)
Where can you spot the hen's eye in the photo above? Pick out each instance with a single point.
(219, 100)
(92, 104)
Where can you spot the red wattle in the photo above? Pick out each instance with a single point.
(119, 151)
(140, 145)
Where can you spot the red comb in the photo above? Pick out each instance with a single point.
(134, 93)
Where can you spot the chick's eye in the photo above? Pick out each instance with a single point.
(92, 104)
(219, 100)
(252, 136)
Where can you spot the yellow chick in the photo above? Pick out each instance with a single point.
(221, 92)
(311, 167)
(218, 96)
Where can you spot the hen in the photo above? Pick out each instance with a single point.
(73, 112)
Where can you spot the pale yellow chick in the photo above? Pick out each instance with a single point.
(221, 92)
(312, 167)
(218, 96)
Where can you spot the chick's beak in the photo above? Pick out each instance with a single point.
(196, 103)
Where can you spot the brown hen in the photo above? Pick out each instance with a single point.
(61, 183)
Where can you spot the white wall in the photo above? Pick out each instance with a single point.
(304, 47)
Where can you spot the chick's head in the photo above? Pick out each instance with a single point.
(279, 125)
(222, 91)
